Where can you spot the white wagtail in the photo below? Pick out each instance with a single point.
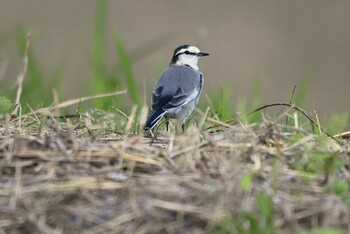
(178, 88)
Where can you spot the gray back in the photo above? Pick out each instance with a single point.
(179, 76)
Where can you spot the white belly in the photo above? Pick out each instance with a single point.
(181, 113)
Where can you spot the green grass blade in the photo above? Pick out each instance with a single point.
(302, 90)
(127, 69)
(99, 48)
(265, 206)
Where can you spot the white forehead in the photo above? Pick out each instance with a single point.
(191, 49)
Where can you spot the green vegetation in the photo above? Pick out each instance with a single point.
(5, 105)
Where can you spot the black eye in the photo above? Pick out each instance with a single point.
(186, 52)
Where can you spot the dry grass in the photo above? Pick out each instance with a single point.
(83, 176)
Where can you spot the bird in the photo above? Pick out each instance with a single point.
(178, 88)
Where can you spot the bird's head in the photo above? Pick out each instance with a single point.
(187, 55)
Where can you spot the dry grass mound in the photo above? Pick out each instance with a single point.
(80, 175)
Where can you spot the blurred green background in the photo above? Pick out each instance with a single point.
(270, 44)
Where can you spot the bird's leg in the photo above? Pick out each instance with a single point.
(167, 124)
(183, 128)
(153, 136)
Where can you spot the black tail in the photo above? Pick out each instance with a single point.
(154, 118)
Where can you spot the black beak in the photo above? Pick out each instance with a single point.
(201, 54)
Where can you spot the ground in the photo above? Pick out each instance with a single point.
(84, 175)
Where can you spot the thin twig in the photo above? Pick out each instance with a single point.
(21, 76)
(72, 102)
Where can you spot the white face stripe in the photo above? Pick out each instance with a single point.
(188, 60)
(191, 49)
